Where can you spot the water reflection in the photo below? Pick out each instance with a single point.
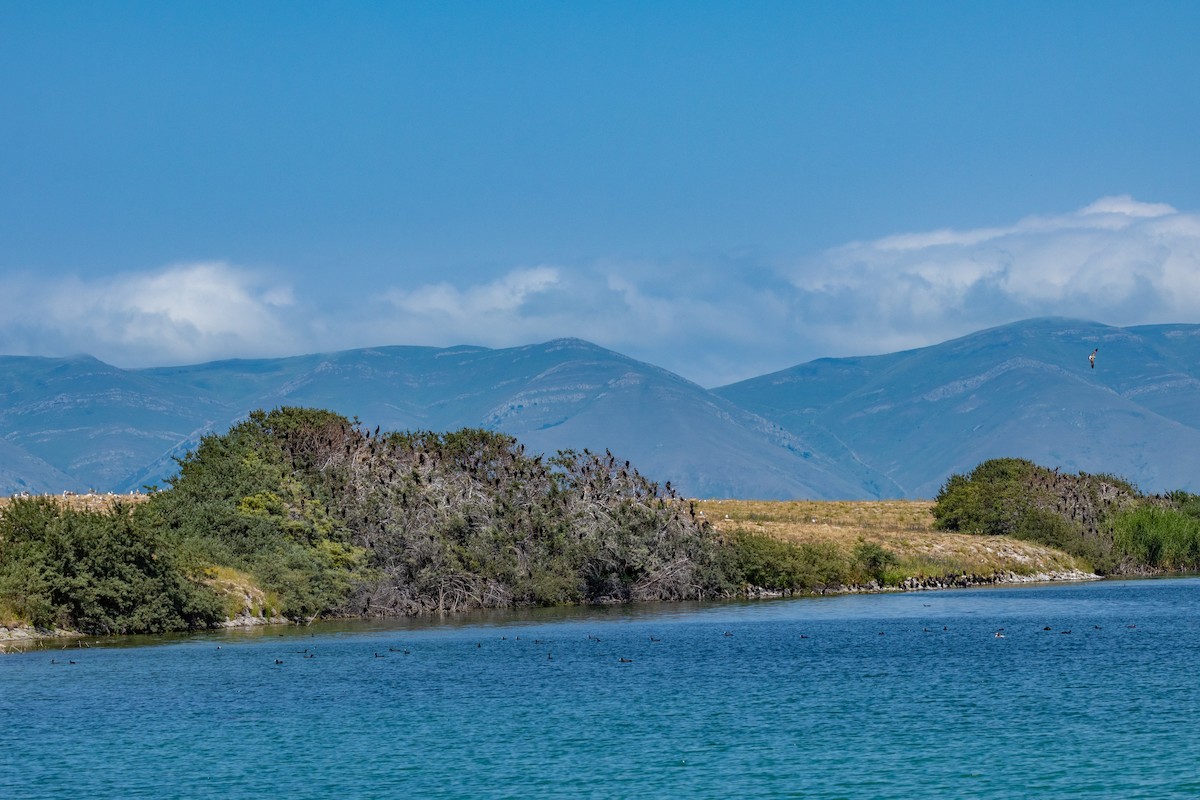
(1002, 602)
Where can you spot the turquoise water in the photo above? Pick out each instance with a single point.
(878, 696)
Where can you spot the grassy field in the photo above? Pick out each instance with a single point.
(903, 527)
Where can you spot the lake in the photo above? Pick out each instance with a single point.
(1089, 690)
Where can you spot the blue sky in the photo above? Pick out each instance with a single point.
(722, 189)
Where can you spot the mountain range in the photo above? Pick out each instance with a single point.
(883, 426)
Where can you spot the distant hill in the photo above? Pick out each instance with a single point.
(885, 426)
(1022, 390)
(90, 425)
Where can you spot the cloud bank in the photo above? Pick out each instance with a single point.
(1117, 261)
(713, 320)
(180, 314)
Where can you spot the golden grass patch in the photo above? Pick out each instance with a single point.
(903, 527)
(241, 595)
(92, 501)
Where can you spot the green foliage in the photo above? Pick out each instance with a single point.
(1157, 537)
(239, 502)
(756, 560)
(1101, 518)
(95, 572)
(1185, 503)
(993, 499)
(874, 559)
(331, 519)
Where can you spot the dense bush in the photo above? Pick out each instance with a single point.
(1158, 537)
(1101, 518)
(467, 519)
(96, 572)
(873, 559)
(755, 560)
(328, 518)
(995, 498)
(239, 502)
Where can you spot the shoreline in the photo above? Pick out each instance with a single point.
(16, 638)
(938, 583)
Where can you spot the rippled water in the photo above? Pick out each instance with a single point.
(866, 697)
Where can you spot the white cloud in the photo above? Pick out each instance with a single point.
(1118, 261)
(182, 313)
(706, 321)
(445, 303)
(597, 302)
(713, 320)
(1126, 206)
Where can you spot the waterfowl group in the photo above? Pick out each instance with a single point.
(998, 633)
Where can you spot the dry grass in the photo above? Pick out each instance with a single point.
(904, 527)
(86, 502)
(241, 595)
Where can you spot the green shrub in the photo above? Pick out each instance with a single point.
(756, 560)
(1163, 538)
(1015, 497)
(873, 559)
(991, 500)
(95, 572)
(1186, 503)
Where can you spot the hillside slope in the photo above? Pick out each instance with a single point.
(1022, 390)
(99, 426)
(884, 426)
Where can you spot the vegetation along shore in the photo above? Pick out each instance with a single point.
(299, 513)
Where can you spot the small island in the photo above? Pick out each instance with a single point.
(298, 513)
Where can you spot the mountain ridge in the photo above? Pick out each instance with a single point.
(1023, 390)
(877, 426)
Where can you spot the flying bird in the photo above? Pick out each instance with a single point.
(1092, 357)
